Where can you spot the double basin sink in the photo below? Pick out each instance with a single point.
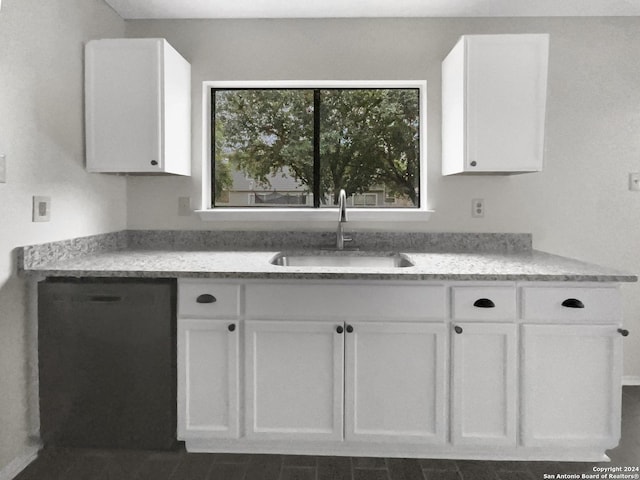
(342, 259)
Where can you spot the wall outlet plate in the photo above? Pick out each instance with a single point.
(184, 206)
(477, 207)
(634, 182)
(41, 209)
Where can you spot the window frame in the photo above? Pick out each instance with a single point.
(328, 214)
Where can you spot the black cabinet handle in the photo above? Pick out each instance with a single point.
(458, 329)
(339, 329)
(349, 329)
(232, 327)
(484, 303)
(473, 163)
(623, 332)
(206, 298)
(154, 162)
(572, 303)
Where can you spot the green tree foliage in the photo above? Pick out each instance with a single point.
(367, 137)
(222, 174)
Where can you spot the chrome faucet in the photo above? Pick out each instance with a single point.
(342, 218)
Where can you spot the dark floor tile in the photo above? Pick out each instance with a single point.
(404, 469)
(576, 467)
(158, 466)
(334, 468)
(538, 469)
(264, 459)
(227, 471)
(437, 464)
(124, 464)
(632, 391)
(300, 461)
(476, 470)
(232, 458)
(51, 464)
(515, 475)
(630, 411)
(298, 473)
(193, 466)
(441, 475)
(370, 463)
(509, 466)
(269, 470)
(86, 467)
(370, 474)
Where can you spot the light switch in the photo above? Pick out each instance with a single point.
(3, 168)
(41, 209)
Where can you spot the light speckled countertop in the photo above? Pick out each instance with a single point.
(524, 266)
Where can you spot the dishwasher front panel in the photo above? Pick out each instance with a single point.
(107, 362)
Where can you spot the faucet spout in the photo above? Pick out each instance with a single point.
(342, 205)
(342, 218)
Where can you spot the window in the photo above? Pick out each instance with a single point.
(291, 146)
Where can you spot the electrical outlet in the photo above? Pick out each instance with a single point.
(41, 209)
(477, 207)
(184, 206)
(3, 168)
(634, 182)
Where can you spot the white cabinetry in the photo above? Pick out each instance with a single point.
(484, 384)
(396, 382)
(294, 380)
(480, 370)
(208, 379)
(493, 104)
(138, 107)
(208, 360)
(571, 380)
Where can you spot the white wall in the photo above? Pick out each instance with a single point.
(41, 133)
(578, 206)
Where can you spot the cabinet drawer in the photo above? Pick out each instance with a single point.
(344, 301)
(217, 300)
(484, 303)
(549, 304)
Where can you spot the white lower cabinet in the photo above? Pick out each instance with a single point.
(476, 370)
(396, 382)
(294, 380)
(571, 385)
(208, 377)
(484, 385)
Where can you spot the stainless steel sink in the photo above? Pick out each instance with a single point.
(342, 259)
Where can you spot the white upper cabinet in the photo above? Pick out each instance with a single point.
(138, 107)
(494, 90)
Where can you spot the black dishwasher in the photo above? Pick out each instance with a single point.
(107, 362)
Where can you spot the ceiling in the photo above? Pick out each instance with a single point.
(174, 9)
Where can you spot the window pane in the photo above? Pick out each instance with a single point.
(369, 145)
(263, 148)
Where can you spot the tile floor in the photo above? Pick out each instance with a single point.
(81, 464)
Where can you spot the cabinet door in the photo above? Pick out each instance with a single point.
(571, 381)
(294, 380)
(395, 382)
(123, 105)
(484, 384)
(506, 94)
(208, 378)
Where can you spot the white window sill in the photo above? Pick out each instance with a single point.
(386, 215)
